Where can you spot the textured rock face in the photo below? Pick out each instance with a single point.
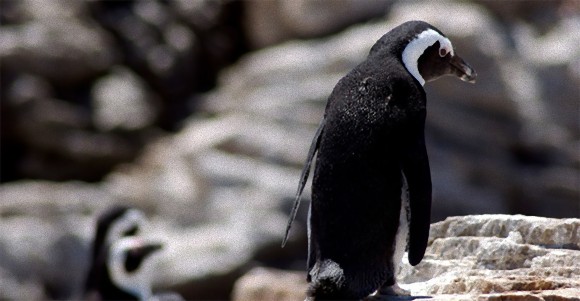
(480, 257)
(493, 255)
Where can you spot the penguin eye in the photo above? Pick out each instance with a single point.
(442, 52)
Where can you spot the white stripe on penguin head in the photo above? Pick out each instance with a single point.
(417, 46)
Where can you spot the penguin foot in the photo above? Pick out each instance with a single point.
(393, 290)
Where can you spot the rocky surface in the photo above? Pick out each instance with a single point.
(272, 22)
(86, 85)
(479, 257)
(269, 284)
(218, 189)
(493, 255)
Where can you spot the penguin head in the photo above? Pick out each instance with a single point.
(131, 265)
(125, 222)
(114, 223)
(438, 60)
(137, 253)
(425, 51)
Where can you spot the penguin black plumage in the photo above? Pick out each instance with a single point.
(371, 191)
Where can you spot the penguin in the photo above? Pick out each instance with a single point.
(131, 264)
(371, 189)
(113, 224)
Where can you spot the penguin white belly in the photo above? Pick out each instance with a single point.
(400, 245)
(401, 239)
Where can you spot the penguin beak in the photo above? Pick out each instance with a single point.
(147, 248)
(462, 69)
(131, 231)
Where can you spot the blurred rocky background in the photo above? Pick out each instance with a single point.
(201, 112)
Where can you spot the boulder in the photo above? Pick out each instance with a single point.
(490, 255)
(51, 41)
(479, 257)
(106, 76)
(120, 100)
(268, 284)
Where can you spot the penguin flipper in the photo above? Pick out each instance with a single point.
(303, 178)
(312, 247)
(418, 176)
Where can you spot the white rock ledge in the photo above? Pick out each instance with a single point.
(479, 257)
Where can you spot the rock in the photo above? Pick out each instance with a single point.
(44, 199)
(121, 101)
(492, 254)
(177, 47)
(58, 137)
(551, 233)
(47, 257)
(271, 22)
(64, 59)
(12, 289)
(54, 44)
(482, 257)
(270, 285)
(49, 53)
(45, 232)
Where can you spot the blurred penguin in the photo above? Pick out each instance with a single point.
(131, 264)
(113, 224)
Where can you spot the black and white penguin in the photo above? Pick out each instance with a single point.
(113, 224)
(371, 191)
(131, 264)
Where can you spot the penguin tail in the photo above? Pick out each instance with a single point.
(327, 282)
(324, 289)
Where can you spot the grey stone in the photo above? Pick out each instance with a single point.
(47, 257)
(55, 44)
(121, 100)
(270, 22)
(270, 285)
(44, 199)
